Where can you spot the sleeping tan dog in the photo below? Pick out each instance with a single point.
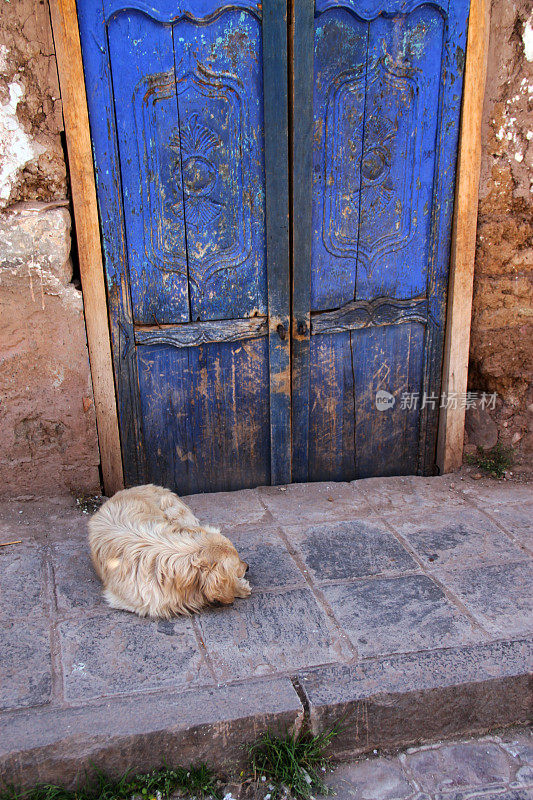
(155, 559)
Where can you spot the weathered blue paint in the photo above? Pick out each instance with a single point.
(188, 103)
(385, 93)
(193, 201)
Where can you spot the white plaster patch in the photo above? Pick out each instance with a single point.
(3, 58)
(16, 147)
(527, 38)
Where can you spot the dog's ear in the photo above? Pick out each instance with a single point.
(216, 575)
(218, 583)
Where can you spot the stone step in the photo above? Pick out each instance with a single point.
(379, 703)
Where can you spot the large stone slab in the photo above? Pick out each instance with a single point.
(145, 732)
(517, 520)
(25, 664)
(376, 779)
(22, 579)
(227, 508)
(410, 493)
(271, 565)
(462, 765)
(462, 537)
(77, 585)
(408, 698)
(489, 493)
(498, 596)
(41, 520)
(119, 653)
(351, 549)
(394, 615)
(492, 794)
(269, 633)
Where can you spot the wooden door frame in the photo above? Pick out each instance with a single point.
(83, 188)
(67, 45)
(450, 437)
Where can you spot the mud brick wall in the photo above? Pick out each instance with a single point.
(501, 352)
(48, 437)
(48, 434)
(47, 427)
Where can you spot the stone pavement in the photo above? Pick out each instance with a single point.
(496, 767)
(399, 609)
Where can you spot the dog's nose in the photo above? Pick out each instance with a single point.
(247, 568)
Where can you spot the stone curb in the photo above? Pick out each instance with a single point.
(384, 703)
(144, 732)
(407, 699)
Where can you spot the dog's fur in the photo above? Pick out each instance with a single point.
(155, 559)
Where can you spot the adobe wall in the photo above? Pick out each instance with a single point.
(501, 352)
(48, 440)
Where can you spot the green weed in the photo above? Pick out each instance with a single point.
(293, 761)
(495, 461)
(196, 781)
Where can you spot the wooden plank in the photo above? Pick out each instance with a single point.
(196, 333)
(69, 61)
(149, 163)
(277, 223)
(387, 359)
(205, 414)
(399, 156)
(100, 103)
(442, 221)
(363, 314)
(301, 49)
(459, 312)
(219, 81)
(341, 41)
(331, 413)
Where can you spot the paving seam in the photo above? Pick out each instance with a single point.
(319, 597)
(203, 649)
(446, 591)
(302, 697)
(56, 661)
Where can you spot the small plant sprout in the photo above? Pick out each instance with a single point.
(495, 461)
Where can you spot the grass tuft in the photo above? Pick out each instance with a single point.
(495, 461)
(295, 762)
(292, 764)
(196, 781)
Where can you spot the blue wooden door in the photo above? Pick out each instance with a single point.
(188, 113)
(377, 92)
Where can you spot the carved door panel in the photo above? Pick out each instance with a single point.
(189, 127)
(374, 188)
